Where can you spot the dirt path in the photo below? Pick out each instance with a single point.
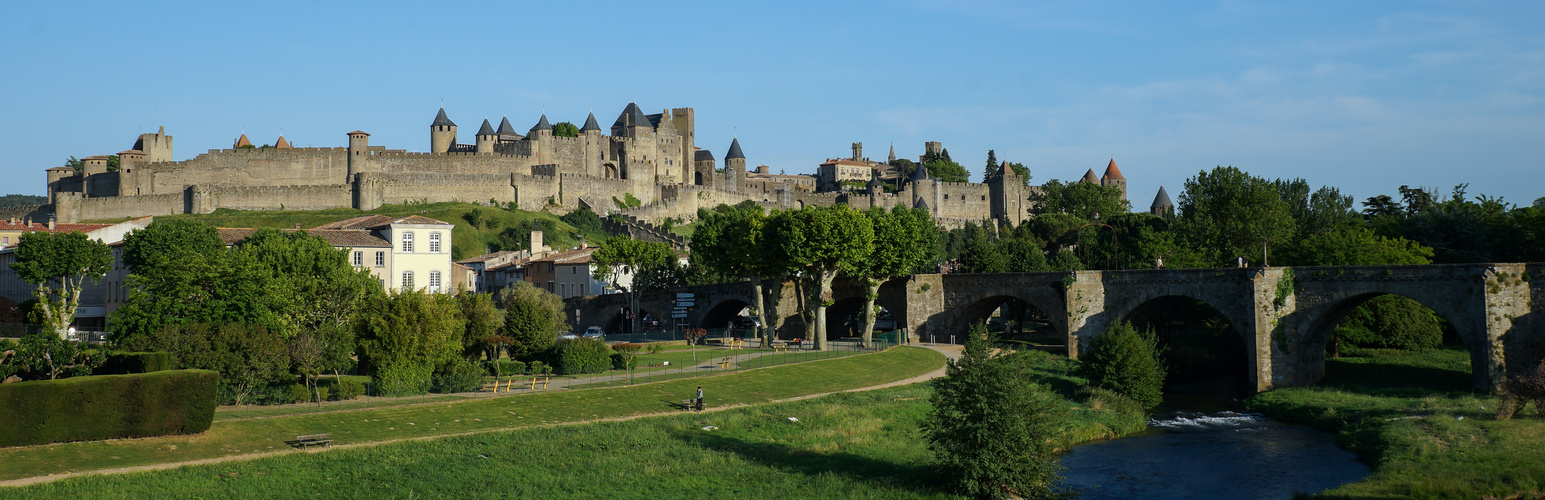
(949, 351)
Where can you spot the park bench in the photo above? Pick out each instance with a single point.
(779, 346)
(312, 440)
(725, 363)
(509, 385)
(539, 380)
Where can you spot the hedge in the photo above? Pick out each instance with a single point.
(134, 362)
(107, 407)
(577, 356)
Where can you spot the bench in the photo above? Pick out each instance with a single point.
(780, 346)
(539, 380)
(690, 404)
(313, 440)
(725, 363)
(509, 386)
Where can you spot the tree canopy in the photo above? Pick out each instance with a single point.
(1227, 213)
(57, 264)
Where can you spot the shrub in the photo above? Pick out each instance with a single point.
(539, 368)
(296, 393)
(626, 357)
(345, 390)
(134, 362)
(1520, 390)
(107, 407)
(1107, 400)
(1393, 322)
(400, 380)
(656, 348)
(1127, 363)
(505, 368)
(459, 376)
(576, 356)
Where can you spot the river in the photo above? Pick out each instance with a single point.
(1211, 450)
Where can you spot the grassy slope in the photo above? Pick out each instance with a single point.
(261, 435)
(466, 240)
(1413, 417)
(843, 446)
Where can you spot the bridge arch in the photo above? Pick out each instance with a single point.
(1199, 342)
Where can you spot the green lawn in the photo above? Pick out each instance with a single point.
(1413, 418)
(850, 445)
(261, 435)
(466, 240)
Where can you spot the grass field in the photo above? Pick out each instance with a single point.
(851, 445)
(466, 240)
(240, 437)
(1414, 419)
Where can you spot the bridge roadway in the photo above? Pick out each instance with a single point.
(1285, 316)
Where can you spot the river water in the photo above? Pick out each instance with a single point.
(1212, 451)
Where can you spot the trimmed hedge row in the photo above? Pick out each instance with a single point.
(134, 362)
(107, 406)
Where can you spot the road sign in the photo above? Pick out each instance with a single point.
(679, 315)
(684, 295)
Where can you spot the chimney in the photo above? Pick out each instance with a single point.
(50, 224)
(536, 241)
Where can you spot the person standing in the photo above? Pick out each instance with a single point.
(700, 398)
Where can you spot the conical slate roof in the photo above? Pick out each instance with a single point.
(590, 124)
(631, 115)
(734, 150)
(1090, 178)
(441, 120)
(702, 155)
(505, 128)
(1111, 172)
(487, 129)
(921, 174)
(1161, 202)
(542, 124)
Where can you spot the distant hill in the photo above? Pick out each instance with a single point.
(496, 228)
(18, 200)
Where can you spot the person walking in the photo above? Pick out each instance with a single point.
(700, 398)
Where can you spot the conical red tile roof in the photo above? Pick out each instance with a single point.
(1111, 172)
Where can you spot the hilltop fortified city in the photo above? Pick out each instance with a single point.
(651, 157)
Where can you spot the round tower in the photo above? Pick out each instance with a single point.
(442, 133)
(359, 150)
(486, 138)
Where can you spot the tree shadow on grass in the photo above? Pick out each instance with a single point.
(1394, 379)
(915, 478)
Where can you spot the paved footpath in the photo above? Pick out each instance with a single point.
(949, 351)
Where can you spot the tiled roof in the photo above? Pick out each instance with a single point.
(590, 124)
(1111, 172)
(631, 114)
(702, 155)
(375, 221)
(359, 132)
(6, 225)
(1090, 178)
(577, 256)
(242, 141)
(130, 152)
(488, 256)
(542, 124)
(1161, 201)
(334, 237)
(281, 143)
(505, 128)
(847, 162)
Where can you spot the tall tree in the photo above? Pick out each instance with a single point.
(734, 243)
(57, 264)
(404, 337)
(308, 283)
(565, 129)
(942, 168)
(990, 429)
(533, 318)
(1084, 200)
(904, 241)
(993, 167)
(483, 321)
(1227, 213)
(822, 242)
(1022, 171)
(182, 273)
(621, 259)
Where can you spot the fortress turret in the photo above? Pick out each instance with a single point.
(359, 151)
(703, 168)
(507, 132)
(1113, 178)
(542, 127)
(630, 120)
(442, 133)
(157, 146)
(591, 127)
(1090, 178)
(735, 160)
(1162, 206)
(486, 138)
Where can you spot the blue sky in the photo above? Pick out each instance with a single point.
(1364, 95)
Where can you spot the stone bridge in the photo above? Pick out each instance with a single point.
(1285, 316)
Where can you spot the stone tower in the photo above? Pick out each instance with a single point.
(734, 165)
(892, 158)
(359, 152)
(858, 151)
(1162, 206)
(542, 134)
(157, 146)
(1113, 178)
(703, 167)
(442, 133)
(486, 138)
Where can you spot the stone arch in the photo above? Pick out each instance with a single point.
(841, 308)
(1301, 355)
(610, 171)
(722, 313)
(799, 204)
(980, 306)
(697, 178)
(617, 322)
(1194, 350)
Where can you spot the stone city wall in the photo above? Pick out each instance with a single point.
(72, 207)
(205, 199)
(253, 167)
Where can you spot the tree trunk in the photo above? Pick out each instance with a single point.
(871, 292)
(800, 289)
(760, 311)
(823, 292)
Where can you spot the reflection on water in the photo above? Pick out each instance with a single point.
(1218, 454)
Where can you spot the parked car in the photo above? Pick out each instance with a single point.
(568, 335)
(595, 332)
(747, 322)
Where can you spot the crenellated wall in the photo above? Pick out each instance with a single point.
(205, 199)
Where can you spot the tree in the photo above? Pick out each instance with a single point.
(1227, 213)
(44, 354)
(993, 168)
(565, 129)
(306, 352)
(734, 243)
(182, 273)
(404, 337)
(248, 357)
(904, 167)
(1354, 246)
(533, 318)
(1085, 200)
(57, 264)
(904, 241)
(585, 222)
(1127, 362)
(990, 429)
(621, 259)
(942, 168)
(307, 282)
(483, 320)
(1390, 322)
(1022, 171)
(822, 242)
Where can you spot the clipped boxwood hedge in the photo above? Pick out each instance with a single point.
(107, 406)
(577, 356)
(134, 362)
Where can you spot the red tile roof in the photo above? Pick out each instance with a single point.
(375, 221)
(1111, 172)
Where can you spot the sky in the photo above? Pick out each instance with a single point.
(1366, 96)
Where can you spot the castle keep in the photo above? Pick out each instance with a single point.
(653, 157)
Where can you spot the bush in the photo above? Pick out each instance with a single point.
(345, 390)
(1101, 399)
(621, 361)
(1391, 322)
(505, 368)
(134, 362)
(459, 376)
(107, 407)
(1127, 363)
(576, 356)
(296, 393)
(400, 380)
(539, 368)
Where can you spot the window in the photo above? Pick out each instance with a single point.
(380, 259)
(573, 269)
(549, 286)
(407, 241)
(565, 288)
(434, 281)
(407, 280)
(434, 242)
(359, 258)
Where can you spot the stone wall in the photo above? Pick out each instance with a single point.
(72, 207)
(253, 167)
(205, 199)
